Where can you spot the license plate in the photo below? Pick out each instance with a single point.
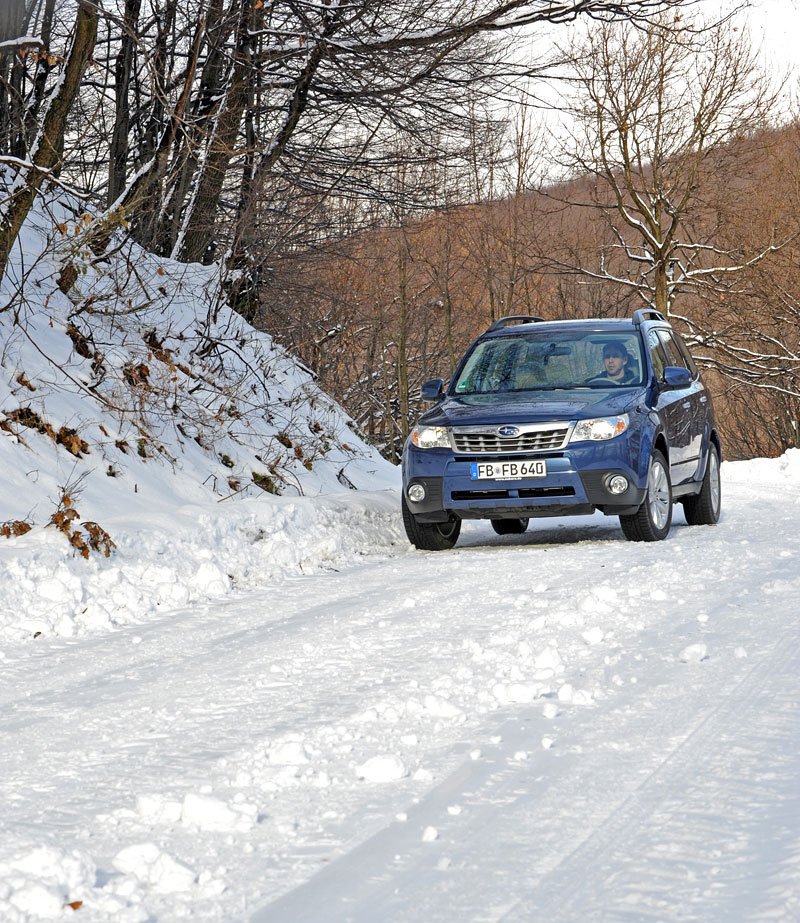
(508, 470)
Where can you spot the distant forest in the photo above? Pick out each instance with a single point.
(388, 309)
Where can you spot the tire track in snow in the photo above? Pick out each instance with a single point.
(593, 818)
(669, 852)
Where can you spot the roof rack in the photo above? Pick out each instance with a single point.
(643, 314)
(515, 319)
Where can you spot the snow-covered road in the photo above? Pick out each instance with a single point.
(561, 726)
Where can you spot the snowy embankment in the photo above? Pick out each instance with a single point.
(146, 433)
(185, 555)
(560, 726)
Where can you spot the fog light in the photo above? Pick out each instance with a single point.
(617, 485)
(417, 492)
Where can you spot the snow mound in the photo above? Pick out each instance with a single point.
(147, 863)
(188, 555)
(694, 653)
(388, 768)
(39, 884)
(152, 443)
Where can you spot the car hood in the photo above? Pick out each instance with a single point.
(530, 407)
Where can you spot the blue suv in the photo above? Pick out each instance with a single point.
(555, 418)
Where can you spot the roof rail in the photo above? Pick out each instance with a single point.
(515, 318)
(643, 314)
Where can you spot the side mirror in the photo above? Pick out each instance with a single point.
(432, 390)
(677, 377)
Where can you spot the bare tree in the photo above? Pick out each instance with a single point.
(673, 127)
(204, 120)
(656, 111)
(293, 101)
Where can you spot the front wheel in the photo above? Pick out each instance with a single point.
(702, 509)
(510, 526)
(430, 536)
(651, 522)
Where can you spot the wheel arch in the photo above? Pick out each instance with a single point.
(660, 443)
(712, 439)
(653, 438)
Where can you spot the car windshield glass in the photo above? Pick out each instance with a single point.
(552, 360)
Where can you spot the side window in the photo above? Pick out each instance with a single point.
(673, 354)
(656, 354)
(687, 356)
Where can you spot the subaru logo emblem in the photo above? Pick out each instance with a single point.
(508, 432)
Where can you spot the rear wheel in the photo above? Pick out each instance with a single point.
(703, 509)
(651, 522)
(430, 536)
(509, 526)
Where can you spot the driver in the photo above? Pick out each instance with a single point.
(615, 365)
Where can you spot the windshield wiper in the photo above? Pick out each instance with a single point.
(548, 388)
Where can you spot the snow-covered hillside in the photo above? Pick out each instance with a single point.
(136, 418)
(116, 366)
(560, 726)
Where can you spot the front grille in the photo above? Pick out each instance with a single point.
(480, 494)
(487, 442)
(527, 493)
(547, 492)
(511, 456)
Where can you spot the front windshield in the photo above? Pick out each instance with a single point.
(552, 360)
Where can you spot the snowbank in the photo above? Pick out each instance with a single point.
(171, 443)
(185, 555)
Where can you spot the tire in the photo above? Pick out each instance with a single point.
(509, 526)
(430, 536)
(703, 508)
(651, 522)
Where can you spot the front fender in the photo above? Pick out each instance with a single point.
(650, 432)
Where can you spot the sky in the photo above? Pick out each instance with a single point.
(775, 29)
(776, 24)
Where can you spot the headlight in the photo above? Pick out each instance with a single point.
(431, 437)
(600, 429)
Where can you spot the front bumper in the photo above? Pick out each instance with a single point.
(575, 484)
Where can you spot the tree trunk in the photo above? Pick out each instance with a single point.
(47, 149)
(661, 289)
(195, 240)
(12, 71)
(118, 156)
(43, 68)
(402, 352)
